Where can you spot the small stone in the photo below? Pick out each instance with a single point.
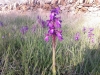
(87, 5)
(84, 9)
(80, 6)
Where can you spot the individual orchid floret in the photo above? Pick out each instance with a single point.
(58, 22)
(55, 10)
(41, 22)
(77, 36)
(90, 33)
(91, 29)
(46, 38)
(59, 35)
(84, 30)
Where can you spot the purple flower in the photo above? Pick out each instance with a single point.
(51, 31)
(53, 24)
(58, 22)
(41, 22)
(46, 38)
(52, 16)
(3, 37)
(24, 29)
(55, 10)
(84, 29)
(90, 33)
(1, 24)
(91, 29)
(39, 19)
(77, 36)
(59, 35)
(92, 40)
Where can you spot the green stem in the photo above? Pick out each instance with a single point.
(53, 55)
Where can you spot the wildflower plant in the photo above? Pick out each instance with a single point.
(54, 26)
(91, 35)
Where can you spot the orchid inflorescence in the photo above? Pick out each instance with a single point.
(54, 25)
(42, 22)
(90, 35)
(1, 24)
(24, 29)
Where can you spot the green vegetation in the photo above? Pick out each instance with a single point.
(29, 54)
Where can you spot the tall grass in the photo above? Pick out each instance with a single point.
(29, 54)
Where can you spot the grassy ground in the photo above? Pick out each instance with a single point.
(29, 54)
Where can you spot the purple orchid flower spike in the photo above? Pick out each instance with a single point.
(44, 24)
(53, 25)
(77, 36)
(84, 30)
(24, 29)
(52, 16)
(90, 33)
(41, 22)
(1, 24)
(92, 40)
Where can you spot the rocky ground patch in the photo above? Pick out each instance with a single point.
(70, 11)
